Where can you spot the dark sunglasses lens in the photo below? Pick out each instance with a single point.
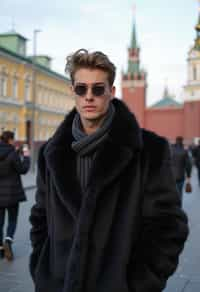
(98, 90)
(80, 90)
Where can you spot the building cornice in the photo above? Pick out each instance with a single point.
(27, 61)
(10, 101)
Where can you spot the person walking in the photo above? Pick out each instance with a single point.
(182, 164)
(197, 160)
(107, 216)
(12, 165)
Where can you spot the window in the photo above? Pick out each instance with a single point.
(15, 130)
(194, 73)
(15, 87)
(27, 91)
(3, 84)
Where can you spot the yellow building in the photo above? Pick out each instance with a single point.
(30, 91)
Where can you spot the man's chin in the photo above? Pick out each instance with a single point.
(91, 117)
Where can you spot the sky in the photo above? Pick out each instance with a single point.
(165, 33)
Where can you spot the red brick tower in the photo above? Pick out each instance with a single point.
(134, 82)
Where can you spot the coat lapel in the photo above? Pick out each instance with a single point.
(122, 146)
(109, 164)
(61, 163)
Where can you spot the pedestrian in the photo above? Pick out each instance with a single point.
(197, 160)
(107, 215)
(182, 164)
(11, 191)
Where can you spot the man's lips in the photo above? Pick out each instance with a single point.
(89, 108)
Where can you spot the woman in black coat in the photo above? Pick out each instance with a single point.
(12, 164)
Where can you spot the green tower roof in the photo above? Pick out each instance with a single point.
(14, 42)
(133, 67)
(133, 38)
(167, 101)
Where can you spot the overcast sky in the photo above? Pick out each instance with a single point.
(165, 34)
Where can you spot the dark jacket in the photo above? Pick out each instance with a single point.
(197, 155)
(11, 166)
(125, 233)
(181, 161)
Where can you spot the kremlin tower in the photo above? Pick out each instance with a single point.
(167, 117)
(134, 81)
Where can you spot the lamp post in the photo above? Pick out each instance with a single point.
(34, 95)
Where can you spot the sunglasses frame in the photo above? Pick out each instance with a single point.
(93, 86)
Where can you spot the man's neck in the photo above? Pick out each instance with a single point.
(89, 127)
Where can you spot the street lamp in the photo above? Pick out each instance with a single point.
(34, 94)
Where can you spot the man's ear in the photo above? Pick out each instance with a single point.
(113, 90)
(71, 89)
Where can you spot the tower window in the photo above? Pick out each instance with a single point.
(194, 73)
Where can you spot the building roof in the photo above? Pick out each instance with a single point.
(13, 33)
(9, 53)
(167, 101)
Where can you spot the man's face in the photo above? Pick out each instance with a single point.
(92, 94)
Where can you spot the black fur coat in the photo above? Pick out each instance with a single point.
(125, 233)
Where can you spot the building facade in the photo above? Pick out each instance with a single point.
(167, 117)
(31, 93)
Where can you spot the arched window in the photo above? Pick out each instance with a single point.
(194, 73)
(27, 89)
(3, 82)
(15, 87)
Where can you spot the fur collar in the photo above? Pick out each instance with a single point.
(125, 140)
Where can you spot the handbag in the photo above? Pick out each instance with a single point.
(188, 187)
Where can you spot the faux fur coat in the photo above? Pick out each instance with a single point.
(126, 232)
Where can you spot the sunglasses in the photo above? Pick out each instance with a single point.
(81, 89)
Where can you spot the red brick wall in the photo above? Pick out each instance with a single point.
(165, 122)
(135, 100)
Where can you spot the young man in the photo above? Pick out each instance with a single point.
(107, 216)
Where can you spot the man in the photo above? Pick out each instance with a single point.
(197, 159)
(182, 164)
(12, 165)
(107, 216)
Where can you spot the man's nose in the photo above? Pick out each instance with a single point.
(89, 95)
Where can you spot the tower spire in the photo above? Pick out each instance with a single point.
(197, 27)
(133, 37)
(133, 51)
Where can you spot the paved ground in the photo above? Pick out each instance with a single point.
(14, 277)
(187, 276)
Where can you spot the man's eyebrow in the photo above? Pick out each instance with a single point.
(94, 83)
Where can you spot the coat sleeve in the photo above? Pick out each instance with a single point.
(38, 218)
(164, 228)
(21, 166)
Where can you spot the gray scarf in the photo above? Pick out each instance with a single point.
(86, 145)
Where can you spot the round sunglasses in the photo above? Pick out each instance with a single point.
(81, 89)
